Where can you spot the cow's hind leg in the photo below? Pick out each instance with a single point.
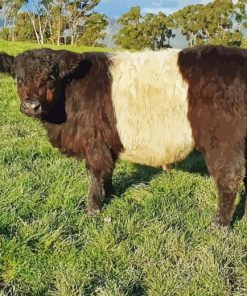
(227, 185)
(245, 185)
(227, 167)
(245, 179)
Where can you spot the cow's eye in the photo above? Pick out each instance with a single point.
(50, 84)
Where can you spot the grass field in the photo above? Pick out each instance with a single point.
(155, 238)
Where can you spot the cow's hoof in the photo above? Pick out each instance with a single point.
(93, 210)
(219, 222)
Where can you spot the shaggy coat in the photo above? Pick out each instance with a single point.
(6, 62)
(151, 108)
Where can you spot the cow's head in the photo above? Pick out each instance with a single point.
(41, 75)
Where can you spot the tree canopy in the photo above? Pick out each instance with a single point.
(49, 19)
(218, 22)
(76, 22)
(148, 31)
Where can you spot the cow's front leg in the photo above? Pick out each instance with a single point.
(100, 167)
(100, 189)
(96, 193)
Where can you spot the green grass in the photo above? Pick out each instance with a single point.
(154, 238)
(18, 47)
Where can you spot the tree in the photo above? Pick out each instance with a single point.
(158, 29)
(149, 31)
(186, 19)
(93, 30)
(212, 23)
(55, 16)
(240, 14)
(23, 29)
(78, 13)
(39, 18)
(131, 36)
(9, 10)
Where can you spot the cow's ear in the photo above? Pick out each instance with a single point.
(71, 64)
(6, 63)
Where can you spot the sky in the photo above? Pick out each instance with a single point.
(114, 8)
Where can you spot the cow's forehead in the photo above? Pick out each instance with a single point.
(34, 65)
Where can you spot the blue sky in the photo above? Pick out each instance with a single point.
(115, 8)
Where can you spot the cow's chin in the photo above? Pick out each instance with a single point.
(54, 117)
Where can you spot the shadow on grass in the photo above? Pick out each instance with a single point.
(240, 208)
(194, 163)
(141, 174)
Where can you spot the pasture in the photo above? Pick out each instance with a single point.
(154, 238)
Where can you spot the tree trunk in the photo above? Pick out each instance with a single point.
(32, 20)
(5, 21)
(59, 26)
(41, 35)
(73, 33)
(51, 31)
(58, 37)
(72, 39)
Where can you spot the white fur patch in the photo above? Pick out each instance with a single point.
(150, 102)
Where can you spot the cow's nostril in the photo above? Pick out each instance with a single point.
(31, 106)
(34, 105)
